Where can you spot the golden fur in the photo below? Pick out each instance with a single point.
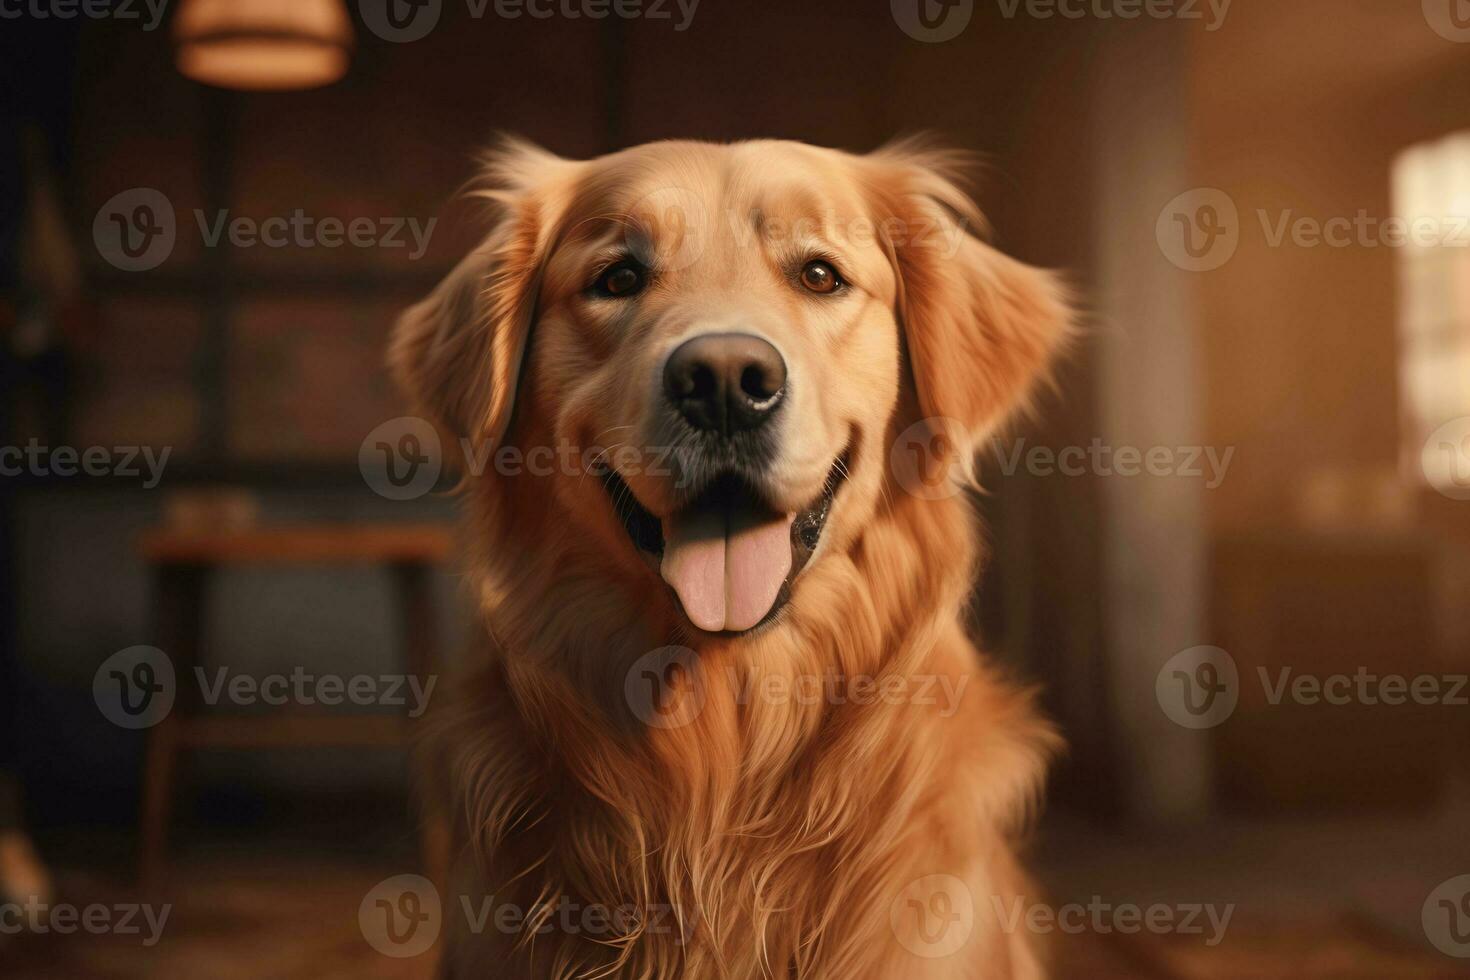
(753, 837)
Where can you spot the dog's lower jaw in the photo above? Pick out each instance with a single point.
(650, 538)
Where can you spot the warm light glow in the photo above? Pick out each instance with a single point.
(1432, 195)
(263, 44)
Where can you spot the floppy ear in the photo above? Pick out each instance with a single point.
(979, 327)
(458, 352)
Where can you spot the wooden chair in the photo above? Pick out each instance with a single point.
(183, 562)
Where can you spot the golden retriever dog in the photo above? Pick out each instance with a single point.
(729, 722)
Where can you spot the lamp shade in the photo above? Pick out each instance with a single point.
(263, 44)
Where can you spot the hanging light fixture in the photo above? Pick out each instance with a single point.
(263, 44)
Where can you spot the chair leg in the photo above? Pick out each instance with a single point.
(419, 637)
(179, 623)
(158, 791)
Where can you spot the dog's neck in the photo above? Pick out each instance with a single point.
(736, 804)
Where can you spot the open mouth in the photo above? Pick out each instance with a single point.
(727, 555)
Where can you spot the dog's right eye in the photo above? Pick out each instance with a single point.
(619, 281)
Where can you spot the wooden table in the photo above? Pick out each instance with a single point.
(183, 562)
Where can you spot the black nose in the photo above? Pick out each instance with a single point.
(725, 382)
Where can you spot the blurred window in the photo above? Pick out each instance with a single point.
(1432, 196)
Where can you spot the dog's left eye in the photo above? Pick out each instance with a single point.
(820, 277)
(619, 280)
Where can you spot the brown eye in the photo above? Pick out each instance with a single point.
(623, 279)
(820, 277)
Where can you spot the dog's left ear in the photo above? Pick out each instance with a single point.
(979, 327)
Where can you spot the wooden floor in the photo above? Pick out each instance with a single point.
(1312, 901)
(249, 918)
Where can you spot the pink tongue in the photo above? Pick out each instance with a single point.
(727, 571)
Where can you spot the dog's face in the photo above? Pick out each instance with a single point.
(726, 341)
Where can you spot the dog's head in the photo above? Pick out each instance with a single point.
(714, 347)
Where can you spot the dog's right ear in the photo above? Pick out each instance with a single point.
(458, 352)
